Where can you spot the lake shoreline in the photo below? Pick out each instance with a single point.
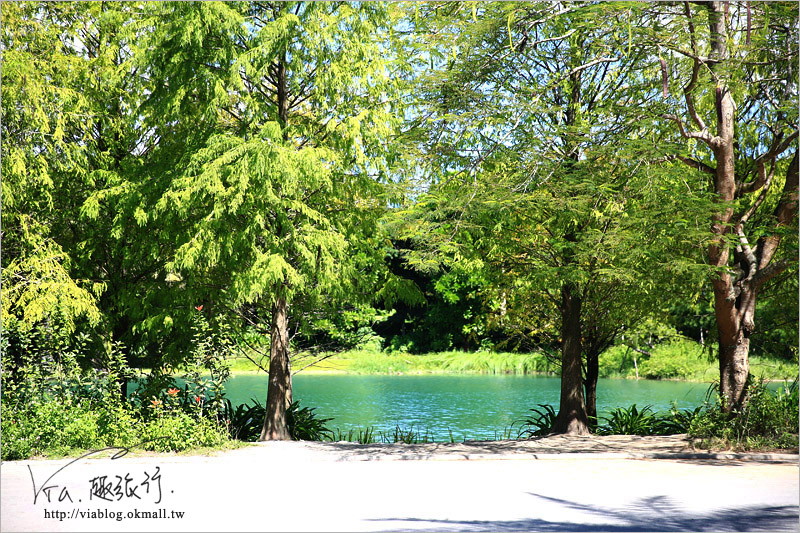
(309, 372)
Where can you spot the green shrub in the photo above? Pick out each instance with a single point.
(54, 428)
(179, 432)
(682, 359)
(304, 424)
(48, 427)
(768, 420)
(677, 421)
(117, 426)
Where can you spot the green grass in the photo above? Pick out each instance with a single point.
(373, 362)
(683, 360)
(376, 362)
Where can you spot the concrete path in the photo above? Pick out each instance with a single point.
(552, 484)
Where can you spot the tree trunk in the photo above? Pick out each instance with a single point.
(590, 386)
(279, 390)
(733, 339)
(571, 418)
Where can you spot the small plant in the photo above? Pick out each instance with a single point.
(304, 424)
(630, 421)
(364, 436)
(408, 436)
(538, 424)
(245, 421)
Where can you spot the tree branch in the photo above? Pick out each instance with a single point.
(769, 272)
(702, 135)
(779, 145)
(698, 165)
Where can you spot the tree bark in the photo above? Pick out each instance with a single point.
(279, 390)
(590, 386)
(733, 340)
(571, 418)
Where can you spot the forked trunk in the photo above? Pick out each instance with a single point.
(571, 418)
(279, 391)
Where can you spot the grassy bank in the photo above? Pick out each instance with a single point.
(376, 362)
(686, 361)
(681, 360)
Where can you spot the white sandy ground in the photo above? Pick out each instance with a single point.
(553, 484)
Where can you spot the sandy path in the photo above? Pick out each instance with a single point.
(594, 484)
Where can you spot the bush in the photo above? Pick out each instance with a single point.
(678, 359)
(768, 420)
(181, 432)
(54, 428)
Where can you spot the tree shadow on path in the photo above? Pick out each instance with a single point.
(658, 513)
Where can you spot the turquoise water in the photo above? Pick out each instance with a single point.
(469, 406)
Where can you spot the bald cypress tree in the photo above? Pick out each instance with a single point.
(278, 198)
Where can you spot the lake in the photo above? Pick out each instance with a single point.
(471, 406)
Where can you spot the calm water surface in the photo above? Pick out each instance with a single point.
(471, 406)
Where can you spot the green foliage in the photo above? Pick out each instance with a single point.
(634, 421)
(675, 358)
(768, 420)
(55, 428)
(678, 420)
(304, 424)
(180, 431)
(681, 359)
(52, 406)
(246, 421)
(449, 362)
(408, 436)
(539, 424)
(629, 421)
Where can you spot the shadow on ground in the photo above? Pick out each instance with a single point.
(657, 513)
(630, 446)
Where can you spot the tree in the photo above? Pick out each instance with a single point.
(532, 126)
(281, 196)
(739, 64)
(70, 144)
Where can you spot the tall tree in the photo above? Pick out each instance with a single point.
(738, 63)
(282, 196)
(531, 127)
